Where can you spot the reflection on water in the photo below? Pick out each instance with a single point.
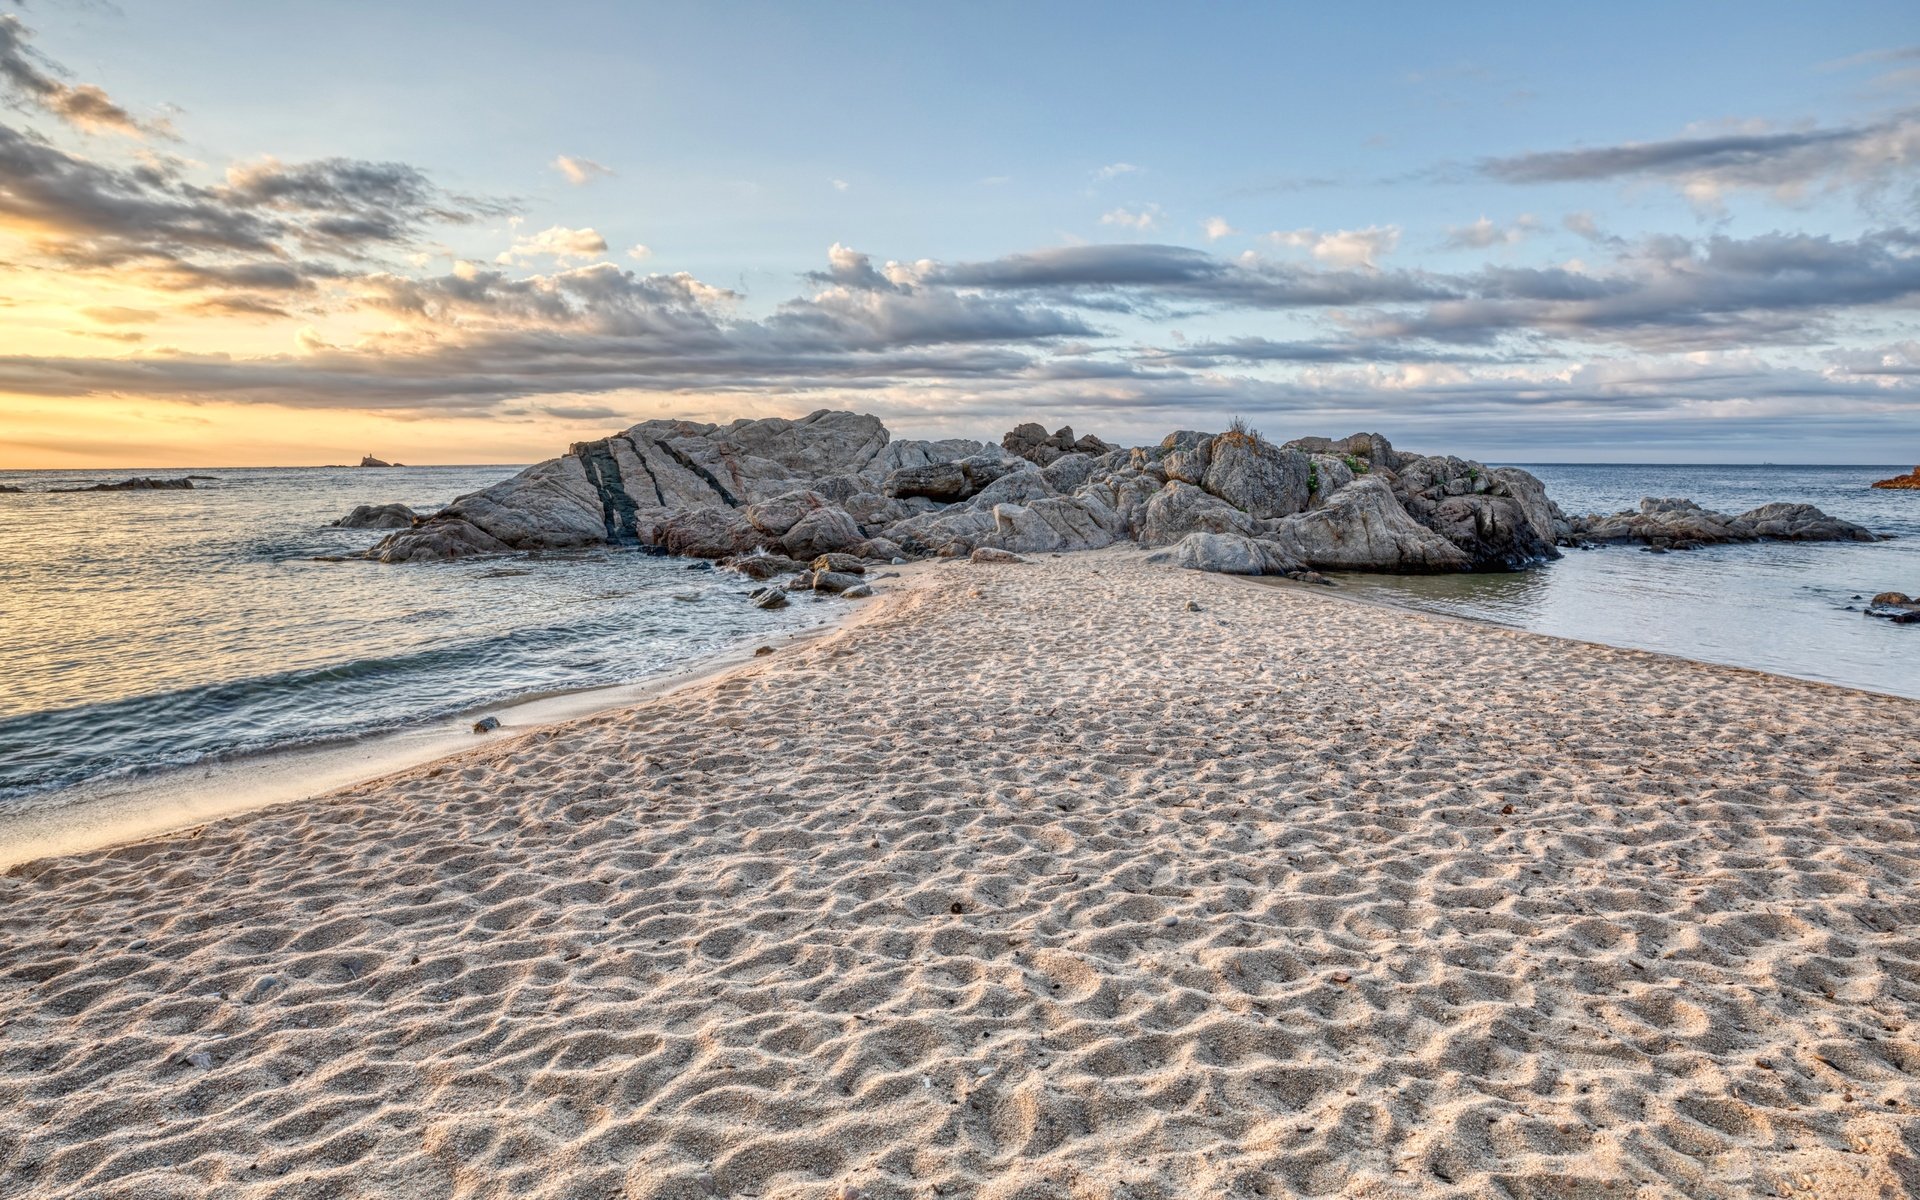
(1772, 606)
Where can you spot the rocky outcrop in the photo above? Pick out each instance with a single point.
(378, 516)
(142, 484)
(1362, 527)
(1033, 443)
(9, 491)
(1910, 482)
(371, 461)
(1671, 523)
(768, 495)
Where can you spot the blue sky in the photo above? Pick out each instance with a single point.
(1625, 232)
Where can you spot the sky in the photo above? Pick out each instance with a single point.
(265, 234)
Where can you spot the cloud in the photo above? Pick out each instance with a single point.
(581, 171)
(1484, 233)
(1585, 225)
(1115, 170)
(839, 185)
(34, 80)
(555, 242)
(1345, 247)
(1216, 228)
(638, 251)
(119, 315)
(1789, 165)
(1140, 220)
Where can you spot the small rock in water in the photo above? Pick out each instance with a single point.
(858, 591)
(486, 724)
(701, 565)
(201, 1059)
(764, 650)
(770, 598)
(686, 597)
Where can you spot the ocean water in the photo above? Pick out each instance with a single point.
(1772, 606)
(147, 630)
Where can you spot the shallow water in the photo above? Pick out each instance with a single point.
(141, 630)
(1780, 607)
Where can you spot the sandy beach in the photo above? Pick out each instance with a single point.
(1072, 878)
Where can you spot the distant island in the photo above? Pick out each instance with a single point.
(1910, 482)
(371, 461)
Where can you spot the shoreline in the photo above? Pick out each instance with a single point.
(102, 816)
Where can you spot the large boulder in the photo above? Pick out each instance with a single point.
(1500, 519)
(1227, 553)
(1909, 482)
(1179, 509)
(1068, 473)
(1254, 475)
(1056, 523)
(1363, 528)
(1800, 523)
(378, 516)
(774, 517)
(822, 531)
(438, 541)
(947, 482)
(908, 452)
(712, 533)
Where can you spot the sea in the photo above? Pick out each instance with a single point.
(156, 630)
(143, 632)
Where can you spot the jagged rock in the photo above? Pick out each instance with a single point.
(1127, 493)
(1254, 475)
(142, 484)
(1500, 519)
(764, 566)
(946, 482)
(990, 554)
(1056, 523)
(1180, 509)
(934, 532)
(908, 453)
(1361, 453)
(1187, 461)
(1326, 476)
(711, 533)
(378, 516)
(776, 516)
(1228, 554)
(1016, 487)
(768, 597)
(1908, 482)
(1363, 528)
(1032, 442)
(859, 591)
(1069, 472)
(1670, 521)
(821, 532)
(371, 461)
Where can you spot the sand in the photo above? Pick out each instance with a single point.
(1033, 882)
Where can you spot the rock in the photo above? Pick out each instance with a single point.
(1022, 486)
(9, 491)
(486, 724)
(1257, 477)
(783, 512)
(859, 591)
(763, 566)
(1228, 554)
(1662, 522)
(1501, 520)
(1180, 509)
(947, 482)
(200, 1059)
(687, 597)
(1908, 482)
(768, 597)
(1325, 476)
(834, 582)
(702, 565)
(906, 453)
(848, 563)
(437, 542)
(1068, 473)
(1056, 523)
(990, 554)
(1193, 607)
(881, 550)
(1897, 607)
(1360, 453)
(142, 484)
(822, 531)
(763, 651)
(711, 533)
(371, 461)
(1363, 528)
(1033, 443)
(378, 516)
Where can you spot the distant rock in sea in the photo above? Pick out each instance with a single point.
(143, 484)
(1676, 524)
(1897, 607)
(836, 482)
(378, 516)
(12, 491)
(371, 461)
(1910, 482)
